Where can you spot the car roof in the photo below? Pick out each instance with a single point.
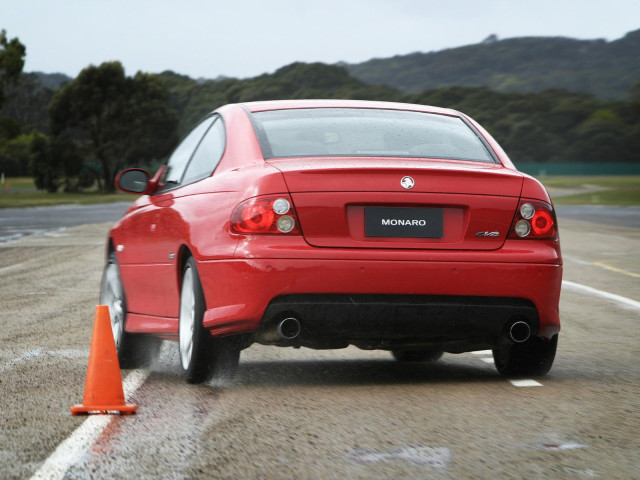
(330, 103)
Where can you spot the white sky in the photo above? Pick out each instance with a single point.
(244, 38)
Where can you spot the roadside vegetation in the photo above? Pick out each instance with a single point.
(624, 191)
(21, 192)
(74, 135)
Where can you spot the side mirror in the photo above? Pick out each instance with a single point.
(133, 180)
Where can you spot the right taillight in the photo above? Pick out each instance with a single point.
(534, 220)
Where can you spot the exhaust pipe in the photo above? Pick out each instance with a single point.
(288, 329)
(274, 333)
(519, 331)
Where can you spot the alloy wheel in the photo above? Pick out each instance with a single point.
(187, 318)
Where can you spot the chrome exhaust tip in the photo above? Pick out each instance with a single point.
(519, 331)
(288, 329)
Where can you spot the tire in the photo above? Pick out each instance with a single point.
(202, 356)
(134, 350)
(416, 355)
(531, 358)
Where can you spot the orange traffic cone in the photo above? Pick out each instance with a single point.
(103, 388)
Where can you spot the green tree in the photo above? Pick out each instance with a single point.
(42, 164)
(56, 162)
(27, 103)
(114, 120)
(14, 155)
(603, 137)
(12, 54)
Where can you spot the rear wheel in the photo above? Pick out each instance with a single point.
(202, 356)
(532, 358)
(134, 350)
(416, 355)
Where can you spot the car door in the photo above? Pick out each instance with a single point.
(157, 228)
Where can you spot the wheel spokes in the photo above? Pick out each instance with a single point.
(187, 319)
(112, 297)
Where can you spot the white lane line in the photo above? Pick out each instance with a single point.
(577, 287)
(25, 356)
(515, 383)
(437, 458)
(573, 259)
(525, 383)
(71, 450)
(38, 352)
(562, 446)
(11, 267)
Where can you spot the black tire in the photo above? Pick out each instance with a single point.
(134, 350)
(416, 355)
(202, 356)
(531, 358)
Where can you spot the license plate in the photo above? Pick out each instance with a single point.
(403, 222)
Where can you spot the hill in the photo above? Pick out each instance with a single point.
(52, 81)
(192, 99)
(528, 64)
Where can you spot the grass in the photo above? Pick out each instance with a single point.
(21, 192)
(623, 197)
(16, 183)
(615, 190)
(586, 181)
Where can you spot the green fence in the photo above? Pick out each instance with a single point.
(579, 168)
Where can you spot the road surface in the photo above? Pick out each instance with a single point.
(15, 223)
(322, 414)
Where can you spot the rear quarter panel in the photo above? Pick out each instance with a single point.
(152, 237)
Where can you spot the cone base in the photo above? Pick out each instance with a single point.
(122, 409)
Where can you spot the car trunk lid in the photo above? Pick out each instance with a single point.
(362, 203)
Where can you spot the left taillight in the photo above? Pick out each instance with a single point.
(270, 214)
(534, 220)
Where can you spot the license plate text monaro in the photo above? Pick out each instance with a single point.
(403, 222)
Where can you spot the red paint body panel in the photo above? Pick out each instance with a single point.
(166, 327)
(474, 197)
(260, 280)
(241, 274)
(364, 174)
(340, 220)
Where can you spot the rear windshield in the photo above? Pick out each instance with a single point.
(360, 132)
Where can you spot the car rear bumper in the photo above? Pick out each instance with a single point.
(450, 323)
(461, 298)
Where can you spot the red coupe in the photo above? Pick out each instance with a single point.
(328, 223)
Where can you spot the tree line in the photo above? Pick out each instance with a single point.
(81, 134)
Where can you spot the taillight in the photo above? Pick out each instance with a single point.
(534, 220)
(272, 214)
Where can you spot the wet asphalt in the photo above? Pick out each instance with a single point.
(308, 414)
(18, 222)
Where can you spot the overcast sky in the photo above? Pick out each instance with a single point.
(244, 38)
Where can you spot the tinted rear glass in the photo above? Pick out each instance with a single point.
(359, 132)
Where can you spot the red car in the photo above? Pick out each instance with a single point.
(328, 223)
